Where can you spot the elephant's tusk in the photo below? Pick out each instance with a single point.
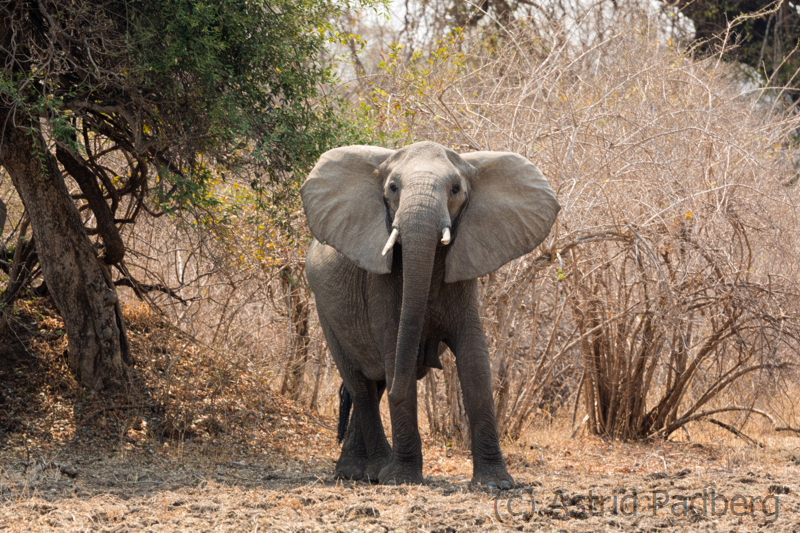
(391, 241)
(446, 236)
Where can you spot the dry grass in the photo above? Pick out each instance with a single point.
(182, 397)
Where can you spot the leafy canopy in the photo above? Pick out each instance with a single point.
(185, 90)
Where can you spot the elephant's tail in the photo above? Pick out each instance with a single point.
(345, 404)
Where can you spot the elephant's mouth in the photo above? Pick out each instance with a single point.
(390, 242)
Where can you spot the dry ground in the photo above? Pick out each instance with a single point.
(191, 489)
(168, 459)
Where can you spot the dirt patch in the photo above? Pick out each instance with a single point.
(201, 447)
(580, 489)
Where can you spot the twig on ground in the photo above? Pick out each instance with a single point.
(735, 431)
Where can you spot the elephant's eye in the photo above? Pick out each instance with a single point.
(393, 187)
(456, 188)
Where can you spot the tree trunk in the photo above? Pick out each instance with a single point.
(295, 369)
(80, 285)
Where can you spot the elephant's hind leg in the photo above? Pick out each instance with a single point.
(382, 453)
(365, 451)
(355, 462)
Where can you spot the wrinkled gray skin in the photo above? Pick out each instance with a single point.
(385, 317)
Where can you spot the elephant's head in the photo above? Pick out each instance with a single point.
(486, 207)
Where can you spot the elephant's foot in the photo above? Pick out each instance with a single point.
(373, 471)
(492, 475)
(351, 467)
(357, 467)
(402, 473)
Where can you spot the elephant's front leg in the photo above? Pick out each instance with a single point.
(475, 374)
(406, 463)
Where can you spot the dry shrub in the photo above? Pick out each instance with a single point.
(233, 279)
(667, 291)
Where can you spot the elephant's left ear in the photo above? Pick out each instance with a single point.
(510, 212)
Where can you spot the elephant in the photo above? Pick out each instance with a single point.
(400, 238)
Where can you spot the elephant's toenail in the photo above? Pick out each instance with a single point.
(505, 485)
(492, 485)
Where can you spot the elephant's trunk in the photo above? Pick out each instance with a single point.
(420, 227)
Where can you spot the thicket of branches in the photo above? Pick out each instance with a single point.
(669, 286)
(666, 293)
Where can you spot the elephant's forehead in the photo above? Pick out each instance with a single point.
(424, 149)
(426, 157)
(438, 167)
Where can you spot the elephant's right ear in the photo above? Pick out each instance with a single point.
(343, 201)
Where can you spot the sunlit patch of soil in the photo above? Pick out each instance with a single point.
(197, 446)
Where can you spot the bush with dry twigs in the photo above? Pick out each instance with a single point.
(668, 290)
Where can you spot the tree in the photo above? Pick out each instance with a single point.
(767, 33)
(143, 104)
